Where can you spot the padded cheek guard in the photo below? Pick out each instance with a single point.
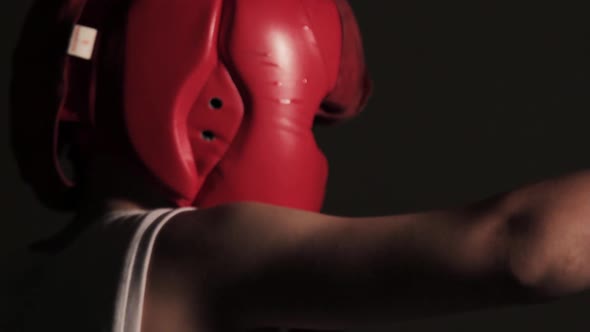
(163, 85)
(174, 66)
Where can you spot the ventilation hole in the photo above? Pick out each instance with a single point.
(216, 103)
(208, 135)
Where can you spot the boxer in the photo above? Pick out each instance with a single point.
(197, 183)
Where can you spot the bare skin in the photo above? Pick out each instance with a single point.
(248, 265)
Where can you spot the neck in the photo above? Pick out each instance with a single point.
(112, 185)
(108, 185)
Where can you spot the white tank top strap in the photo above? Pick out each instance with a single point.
(131, 293)
(98, 283)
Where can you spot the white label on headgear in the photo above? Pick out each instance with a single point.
(82, 42)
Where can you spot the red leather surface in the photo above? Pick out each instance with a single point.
(271, 69)
(282, 59)
(170, 54)
(272, 51)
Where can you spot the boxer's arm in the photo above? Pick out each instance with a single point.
(274, 266)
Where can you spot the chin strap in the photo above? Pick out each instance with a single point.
(76, 115)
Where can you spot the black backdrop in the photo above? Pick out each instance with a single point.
(471, 98)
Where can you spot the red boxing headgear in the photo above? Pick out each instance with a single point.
(216, 97)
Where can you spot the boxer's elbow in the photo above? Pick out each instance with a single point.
(545, 276)
(542, 260)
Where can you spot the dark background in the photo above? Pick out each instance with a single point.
(471, 98)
